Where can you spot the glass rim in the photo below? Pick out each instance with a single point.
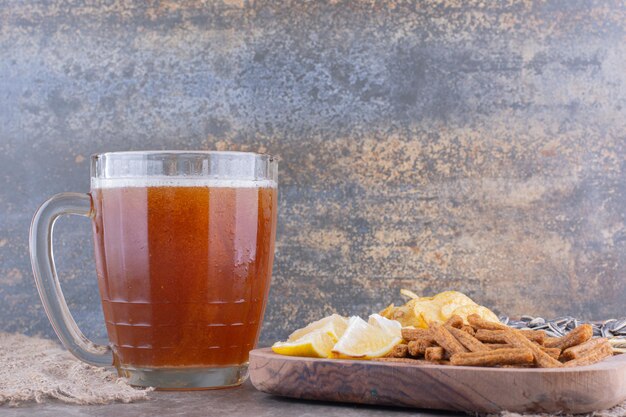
(184, 165)
(268, 157)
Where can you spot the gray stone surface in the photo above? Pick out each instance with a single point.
(243, 401)
(432, 145)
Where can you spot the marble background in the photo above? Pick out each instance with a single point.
(431, 145)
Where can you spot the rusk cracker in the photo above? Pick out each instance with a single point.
(542, 359)
(577, 351)
(479, 323)
(444, 338)
(470, 342)
(399, 351)
(498, 357)
(434, 354)
(418, 347)
(499, 336)
(577, 336)
(454, 321)
(595, 354)
(468, 329)
(409, 334)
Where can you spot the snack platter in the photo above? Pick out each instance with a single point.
(446, 352)
(416, 384)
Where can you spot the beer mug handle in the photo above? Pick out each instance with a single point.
(47, 281)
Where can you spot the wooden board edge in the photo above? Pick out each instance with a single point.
(614, 369)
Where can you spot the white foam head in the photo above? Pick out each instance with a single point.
(179, 182)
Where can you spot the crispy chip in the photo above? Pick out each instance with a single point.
(426, 311)
(408, 293)
(483, 312)
(388, 311)
(405, 314)
(449, 301)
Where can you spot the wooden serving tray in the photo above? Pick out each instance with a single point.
(570, 390)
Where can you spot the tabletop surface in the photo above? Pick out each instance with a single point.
(241, 401)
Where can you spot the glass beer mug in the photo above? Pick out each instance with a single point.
(184, 245)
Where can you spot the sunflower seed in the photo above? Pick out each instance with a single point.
(606, 332)
(561, 325)
(608, 324)
(555, 329)
(607, 327)
(561, 321)
(619, 325)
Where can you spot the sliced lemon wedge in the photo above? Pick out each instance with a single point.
(315, 344)
(392, 327)
(333, 325)
(364, 340)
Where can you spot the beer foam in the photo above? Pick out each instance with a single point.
(179, 182)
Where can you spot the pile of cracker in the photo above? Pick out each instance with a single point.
(487, 343)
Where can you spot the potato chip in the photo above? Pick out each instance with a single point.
(450, 301)
(456, 296)
(388, 311)
(418, 311)
(408, 293)
(425, 311)
(447, 309)
(483, 312)
(405, 314)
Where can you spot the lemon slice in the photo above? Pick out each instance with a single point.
(333, 325)
(316, 344)
(363, 340)
(392, 327)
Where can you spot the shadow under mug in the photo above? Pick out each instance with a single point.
(184, 246)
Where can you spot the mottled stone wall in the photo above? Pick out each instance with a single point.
(430, 145)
